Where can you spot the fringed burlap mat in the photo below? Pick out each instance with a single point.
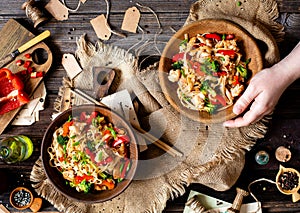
(213, 155)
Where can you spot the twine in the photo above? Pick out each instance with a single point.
(252, 195)
(33, 13)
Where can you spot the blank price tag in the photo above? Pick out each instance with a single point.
(100, 26)
(57, 10)
(71, 65)
(131, 20)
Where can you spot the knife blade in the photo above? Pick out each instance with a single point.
(10, 57)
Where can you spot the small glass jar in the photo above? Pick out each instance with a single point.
(15, 149)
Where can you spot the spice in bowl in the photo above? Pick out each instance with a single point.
(21, 198)
(288, 180)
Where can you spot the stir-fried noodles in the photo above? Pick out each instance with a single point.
(90, 152)
(209, 71)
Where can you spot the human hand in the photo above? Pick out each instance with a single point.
(262, 95)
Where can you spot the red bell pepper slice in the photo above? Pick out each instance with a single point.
(229, 36)
(105, 161)
(125, 168)
(90, 153)
(236, 80)
(121, 139)
(213, 36)
(79, 179)
(221, 100)
(177, 57)
(92, 116)
(12, 95)
(197, 67)
(231, 53)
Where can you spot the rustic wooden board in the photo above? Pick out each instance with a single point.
(12, 36)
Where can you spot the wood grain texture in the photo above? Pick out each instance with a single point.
(285, 129)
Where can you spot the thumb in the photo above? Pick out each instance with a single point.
(244, 101)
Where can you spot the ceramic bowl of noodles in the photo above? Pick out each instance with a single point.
(89, 153)
(206, 66)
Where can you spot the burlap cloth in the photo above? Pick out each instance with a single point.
(213, 155)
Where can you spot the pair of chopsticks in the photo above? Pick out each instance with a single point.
(156, 141)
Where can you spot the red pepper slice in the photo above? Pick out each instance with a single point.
(178, 57)
(92, 116)
(213, 36)
(197, 67)
(12, 95)
(235, 80)
(231, 53)
(82, 116)
(125, 168)
(229, 36)
(90, 153)
(221, 100)
(121, 139)
(105, 161)
(79, 179)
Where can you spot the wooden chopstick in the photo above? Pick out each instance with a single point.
(156, 141)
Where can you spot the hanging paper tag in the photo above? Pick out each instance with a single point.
(83, 1)
(100, 26)
(71, 65)
(57, 10)
(131, 20)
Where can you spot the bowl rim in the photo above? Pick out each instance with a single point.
(15, 191)
(134, 144)
(197, 115)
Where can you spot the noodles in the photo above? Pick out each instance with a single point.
(90, 152)
(209, 71)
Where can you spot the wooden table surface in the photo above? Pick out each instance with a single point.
(284, 131)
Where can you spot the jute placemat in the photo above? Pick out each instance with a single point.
(213, 155)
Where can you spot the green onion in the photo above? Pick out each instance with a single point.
(76, 143)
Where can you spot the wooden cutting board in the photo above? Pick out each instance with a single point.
(12, 36)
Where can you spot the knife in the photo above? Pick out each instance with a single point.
(10, 57)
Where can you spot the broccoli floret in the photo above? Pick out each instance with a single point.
(85, 186)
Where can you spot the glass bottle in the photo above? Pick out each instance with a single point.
(15, 149)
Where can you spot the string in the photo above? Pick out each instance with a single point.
(106, 22)
(107, 15)
(252, 195)
(72, 10)
(158, 22)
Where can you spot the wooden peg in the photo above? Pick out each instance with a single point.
(237, 203)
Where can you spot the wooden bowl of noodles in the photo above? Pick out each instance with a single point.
(194, 62)
(96, 141)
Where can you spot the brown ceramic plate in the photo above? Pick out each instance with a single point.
(249, 49)
(56, 177)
